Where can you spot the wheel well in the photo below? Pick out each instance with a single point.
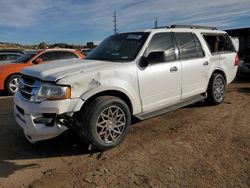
(9, 77)
(220, 72)
(114, 93)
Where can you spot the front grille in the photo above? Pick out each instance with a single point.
(20, 110)
(28, 87)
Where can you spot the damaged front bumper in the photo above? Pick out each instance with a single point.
(40, 121)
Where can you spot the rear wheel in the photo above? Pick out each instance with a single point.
(105, 122)
(11, 84)
(216, 89)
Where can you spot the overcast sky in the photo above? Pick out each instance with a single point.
(79, 21)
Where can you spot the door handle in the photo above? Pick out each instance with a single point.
(173, 69)
(205, 63)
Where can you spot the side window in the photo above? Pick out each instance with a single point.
(224, 44)
(218, 43)
(198, 46)
(66, 55)
(48, 56)
(12, 57)
(189, 45)
(162, 42)
(3, 57)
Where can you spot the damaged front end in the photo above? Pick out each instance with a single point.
(74, 124)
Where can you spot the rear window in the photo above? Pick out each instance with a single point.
(66, 55)
(218, 43)
(189, 45)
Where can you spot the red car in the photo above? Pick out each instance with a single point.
(10, 73)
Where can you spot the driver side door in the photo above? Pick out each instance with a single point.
(160, 83)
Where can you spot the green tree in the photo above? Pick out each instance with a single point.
(42, 45)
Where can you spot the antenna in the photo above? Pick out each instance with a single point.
(156, 23)
(115, 25)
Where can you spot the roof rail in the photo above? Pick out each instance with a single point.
(162, 27)
(193, 27)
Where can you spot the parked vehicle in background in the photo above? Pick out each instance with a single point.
(243, 34)
(18, 51)
(86, 51)
(141, 74)
(10, 72)
(244, 65)
(7, 57)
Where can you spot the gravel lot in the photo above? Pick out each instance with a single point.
(196, 146)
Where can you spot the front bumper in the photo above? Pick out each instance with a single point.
(25, 112)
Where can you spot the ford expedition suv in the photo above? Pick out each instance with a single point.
(141, 74)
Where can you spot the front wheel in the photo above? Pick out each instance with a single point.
(216, 89)
(11, 84)
(105, 122)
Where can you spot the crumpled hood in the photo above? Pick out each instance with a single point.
(65, 68)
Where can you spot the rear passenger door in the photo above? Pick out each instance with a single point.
(222, 50)
(160, 83)
(227, 56)
(195, 66)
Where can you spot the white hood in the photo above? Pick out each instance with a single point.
(65, 68)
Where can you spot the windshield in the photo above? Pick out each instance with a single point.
(119, 47)
(24, 58)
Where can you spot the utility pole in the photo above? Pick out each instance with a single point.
(115, 25)
(156, 23)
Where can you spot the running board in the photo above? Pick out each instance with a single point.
(186, 102)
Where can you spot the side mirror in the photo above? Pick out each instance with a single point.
(38, 60)
(143, 62)
(156, 57)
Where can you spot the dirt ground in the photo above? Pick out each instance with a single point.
(196, 146)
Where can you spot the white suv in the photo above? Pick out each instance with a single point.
(141, 74)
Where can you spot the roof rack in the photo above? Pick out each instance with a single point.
(193, 27)
(162, 27)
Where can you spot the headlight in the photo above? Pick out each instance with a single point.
(52, 92)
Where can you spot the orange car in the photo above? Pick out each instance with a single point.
(10, 73)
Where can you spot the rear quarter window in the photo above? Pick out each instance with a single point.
(218, 43)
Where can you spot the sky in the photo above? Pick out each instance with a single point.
(80, 21)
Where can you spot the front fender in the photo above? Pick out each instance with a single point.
(131, 95)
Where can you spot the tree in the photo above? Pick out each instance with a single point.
(42, 45)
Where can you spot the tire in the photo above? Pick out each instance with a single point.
(105, 122)
(216, 89)
(11, 84)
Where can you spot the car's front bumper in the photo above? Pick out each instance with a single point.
(26, 112)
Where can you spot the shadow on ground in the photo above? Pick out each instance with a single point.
(3, 94)
(68, 144)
